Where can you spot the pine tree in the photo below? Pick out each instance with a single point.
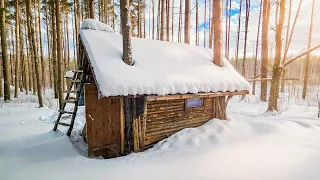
(35, 54)
(5, 62)
(126, 31)
(217, 34)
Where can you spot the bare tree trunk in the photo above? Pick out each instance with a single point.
(139, 19)
(152, 19)
(187, 21)
(211, 27)
(126, 31)
(238, 36)
(163, 5)
(229, 24)
(197, 23)
(289, 37)
(226, 36)
(168, 20)
(54, 52)
(158, 19)
(306, 68)
(17, 28)
(274, 91)
(59, 47)
(41, 51)
(217, 23)
(257, 48)
(35, 54)
(48, 44)
(5, 63)
(172, 21)
(245, 38)
(205, 23)
(180, 22)
(91, 9)
(264, 49)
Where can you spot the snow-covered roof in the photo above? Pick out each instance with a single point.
(160, 68)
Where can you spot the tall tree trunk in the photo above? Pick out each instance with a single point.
(158, 20)
(180, 22)
(264, 48)
(41, 51)
(306, 68)
(226, 36)
(91, 9)
(257, 48)
(5, 63)
(288, 38)
(274, 91)
(238, 36)
(126, 31)
(35, 54)
(54, 52)
(172, 21)
(27, 64)
(197, 23)
(152, 19)
(217, 23)
(59, 49)
(229, 25)
(205, 23)
(139, 19)
(48, 44)
(211, 27)
(163, 5)
(168, 19)
(245, 38)
(187, 21)
(17, 28)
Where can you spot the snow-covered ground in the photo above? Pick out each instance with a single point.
(250, 145)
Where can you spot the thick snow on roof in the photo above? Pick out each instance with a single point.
(95, 25)
(159, 68)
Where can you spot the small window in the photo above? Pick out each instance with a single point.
(194, 102)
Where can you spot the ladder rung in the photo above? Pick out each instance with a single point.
(67, 112)
(63, 124)
(73, 91)
(77, 71)
(75, 81)
(69, 101)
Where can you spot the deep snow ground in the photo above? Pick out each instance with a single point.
(251, 145)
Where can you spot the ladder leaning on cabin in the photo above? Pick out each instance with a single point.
(75, 88)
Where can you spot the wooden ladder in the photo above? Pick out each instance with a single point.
(75, 88)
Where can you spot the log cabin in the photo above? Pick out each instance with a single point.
(169, 87)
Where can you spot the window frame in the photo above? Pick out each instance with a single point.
(193, 108)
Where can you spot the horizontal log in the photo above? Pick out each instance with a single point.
(270, 79)
(174, 116)
(198, 95)
(160, 127)
(152, 138)
(161, 130)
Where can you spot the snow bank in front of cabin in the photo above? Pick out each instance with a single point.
(159, 67)
(95, 25)
(249, 146)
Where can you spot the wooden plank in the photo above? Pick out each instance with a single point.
(270, 79)
(186, 96)
(122, 121)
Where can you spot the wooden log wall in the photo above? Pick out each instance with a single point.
(165, 118)
(105, 128)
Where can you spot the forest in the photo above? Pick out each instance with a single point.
(39, 39)
(160, 89)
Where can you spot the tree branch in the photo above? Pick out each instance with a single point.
(304, 53)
